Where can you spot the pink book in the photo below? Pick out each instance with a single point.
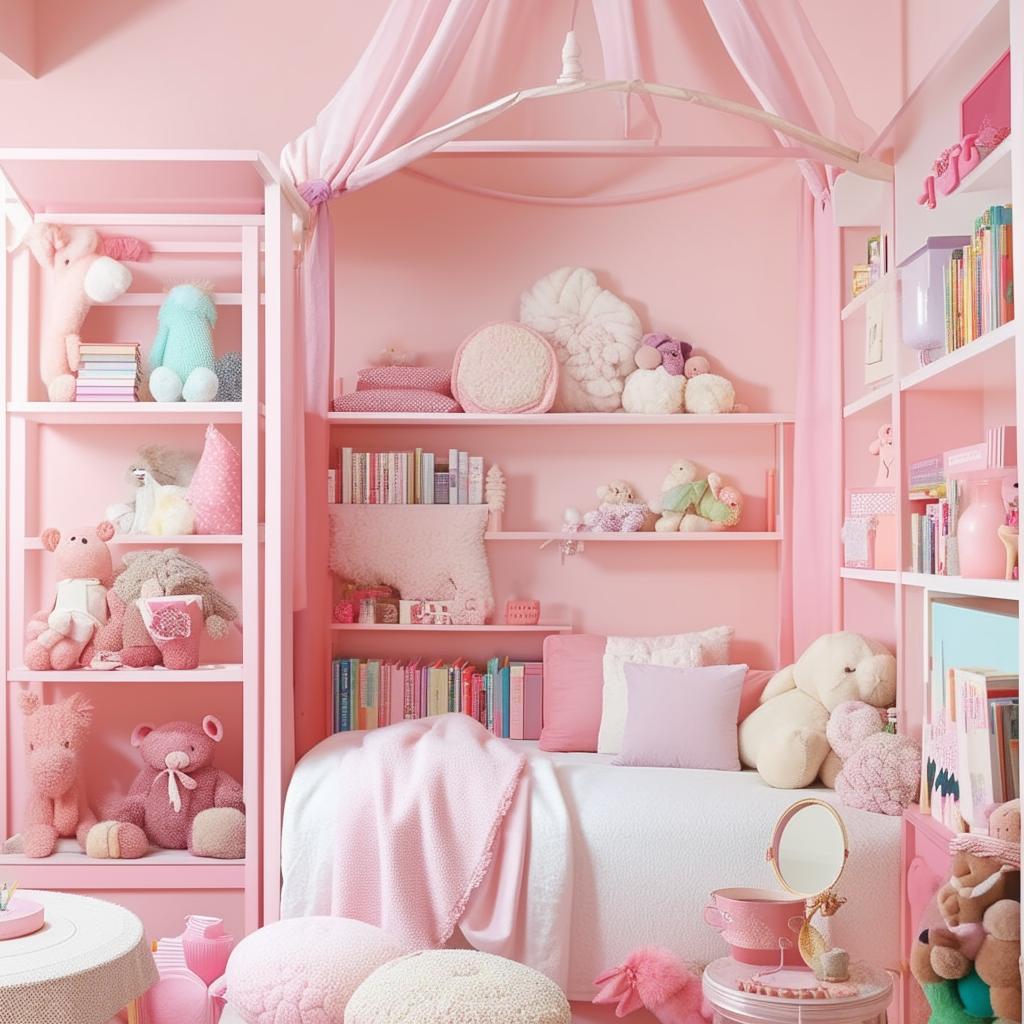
(396, 676)
(965, 460)
(533, 692)
(516, 702)
(105, 398)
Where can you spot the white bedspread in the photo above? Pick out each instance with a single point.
(618, 858)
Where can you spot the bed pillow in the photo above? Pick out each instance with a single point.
(682, 717)
(676, 650)
(573, 680)
(753, 686)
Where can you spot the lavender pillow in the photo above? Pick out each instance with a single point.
(682, 717)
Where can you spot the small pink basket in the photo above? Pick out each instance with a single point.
(522, 613)
(760, 925)
(176, 626)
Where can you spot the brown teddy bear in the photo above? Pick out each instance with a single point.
(980, 946)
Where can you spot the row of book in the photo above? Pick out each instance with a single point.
(978, 287)
(933, 543)
(412, 477)
(504, 696)
(108, 372)
(972, 749)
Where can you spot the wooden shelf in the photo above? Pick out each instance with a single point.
(112, 413)
(359, 627)
(872, 398)
(149, 540)
(860, 301)
(645, 537)
(157, 298)
(916, 818)
(554, 419)
(1006, 589)
(203, 674)
(869, 575)
(69, 868)
(993, 173)
(986, 363)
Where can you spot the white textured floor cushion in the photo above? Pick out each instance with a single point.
(304, 970)
(457, 986)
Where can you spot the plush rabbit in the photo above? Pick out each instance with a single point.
(182, 363)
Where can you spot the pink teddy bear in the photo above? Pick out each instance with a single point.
(881, 770)
(57, 806)
(179, 800)
(61, 637)
(82, 269)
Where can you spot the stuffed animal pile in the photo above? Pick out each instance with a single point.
(689, 502)
(968, 967)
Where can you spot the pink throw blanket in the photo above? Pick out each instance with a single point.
(420, 808)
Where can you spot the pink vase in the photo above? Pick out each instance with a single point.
(982, 554)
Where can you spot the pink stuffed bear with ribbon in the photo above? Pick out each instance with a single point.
(656, 980)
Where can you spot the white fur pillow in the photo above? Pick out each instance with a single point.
(676, 650)
(594, 334)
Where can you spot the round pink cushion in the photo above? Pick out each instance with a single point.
(304, 970)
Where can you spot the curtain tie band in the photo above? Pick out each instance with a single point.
(315, 191)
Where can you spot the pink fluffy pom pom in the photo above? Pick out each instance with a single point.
(657, 980)
(123, 247)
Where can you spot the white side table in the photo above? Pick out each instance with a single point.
(86, 964)
(861, 1000)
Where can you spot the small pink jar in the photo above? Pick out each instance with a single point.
(758, 924)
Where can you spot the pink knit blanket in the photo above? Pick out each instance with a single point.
(420, 807)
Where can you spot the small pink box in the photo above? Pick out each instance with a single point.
(758, 924)
(22, 917)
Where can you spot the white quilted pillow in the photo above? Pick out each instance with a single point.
(593, 332)
(676, 650)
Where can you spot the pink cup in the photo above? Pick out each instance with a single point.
(758, 924)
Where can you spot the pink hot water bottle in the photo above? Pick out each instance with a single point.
(656, 980)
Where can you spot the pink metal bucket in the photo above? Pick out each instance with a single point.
(760, 925)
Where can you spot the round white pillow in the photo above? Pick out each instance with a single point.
(594, 334)
(305, 969)
(457, 986)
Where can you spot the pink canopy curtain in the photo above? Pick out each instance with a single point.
(369, 130)
(774, 47)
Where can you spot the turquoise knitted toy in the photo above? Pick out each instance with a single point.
(182, 361)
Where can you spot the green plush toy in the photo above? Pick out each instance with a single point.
(182, 360)
(948, 1005)
(691, 504)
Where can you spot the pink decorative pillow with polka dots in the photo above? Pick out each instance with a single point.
(216, 489)
(405, 378)
(395, 400)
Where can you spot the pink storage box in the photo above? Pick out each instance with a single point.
(760, 925)
(176, 626)
(988, 103)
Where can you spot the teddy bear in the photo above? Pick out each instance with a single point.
(57, 806)
(786, 737)
(968, 968)
(163, 573)
(691, 504)
(82, 269)
(159, 477)
(179, 799)
(61, 637)
(619, 511)
(881, 770)
(181, 362)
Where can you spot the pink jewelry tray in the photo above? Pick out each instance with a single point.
(22, 917)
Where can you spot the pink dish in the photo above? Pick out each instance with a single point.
(22, 917)
(758, 924)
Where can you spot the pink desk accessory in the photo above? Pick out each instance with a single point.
(20, 916)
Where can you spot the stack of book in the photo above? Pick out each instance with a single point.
(406, 478)
(109, 372)
(978, 288)
(504, 696)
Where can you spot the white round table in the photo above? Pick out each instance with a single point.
(861, 1000)
(86, 964)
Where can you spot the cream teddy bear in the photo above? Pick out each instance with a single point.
(785, 737)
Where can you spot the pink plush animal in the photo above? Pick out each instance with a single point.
(882, 446)
(657, 980)
(61, 637)
(619, 511)
(82, 269)
(57, 806)
(179, 800)
(881, 771)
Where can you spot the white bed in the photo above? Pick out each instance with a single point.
(618, 858)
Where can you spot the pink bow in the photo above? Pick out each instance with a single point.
(174, 775)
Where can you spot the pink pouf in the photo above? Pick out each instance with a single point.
(304, 970)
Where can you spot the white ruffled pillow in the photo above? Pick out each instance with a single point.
(676, 650)
(593, 332)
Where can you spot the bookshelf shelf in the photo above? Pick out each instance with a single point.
(1008, 590)
(987, 363)
(993, 173)
(113, 413)
(856, 304)
(872, 398)
(555, 419)
(359, 627)
(870, 575)
(152, 541)
(203, 674)
(646, 537)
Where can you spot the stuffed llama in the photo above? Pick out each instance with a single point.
(61, 637)
(81, 269)
(178, 800)
(57, 806)
(181, 362)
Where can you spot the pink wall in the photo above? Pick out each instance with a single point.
(17, 38)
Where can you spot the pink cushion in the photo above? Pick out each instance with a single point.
(395, 400)
(573, 680)
(682, 717)
(405, 378)
(753, 686)
(215, 492)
